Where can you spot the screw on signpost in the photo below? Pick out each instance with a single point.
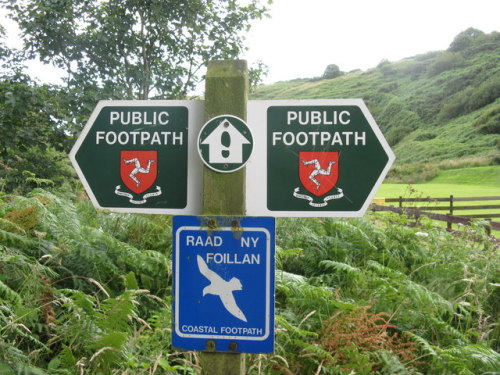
(226, 93)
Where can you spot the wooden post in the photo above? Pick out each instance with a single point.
(226, 93)
(448, 224)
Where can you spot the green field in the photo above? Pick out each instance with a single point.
(466, 182)
(436, 190)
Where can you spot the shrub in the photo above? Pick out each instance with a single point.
(426, 136)
(396, 114)
(396, 135)
(445, 61)
(465, 39)
(470, 99)
(35, 167)
(489, 122)
(388, 87)
(332, 71)
(348, 335)
(415, 69)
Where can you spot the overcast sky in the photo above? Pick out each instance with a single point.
(303, 36)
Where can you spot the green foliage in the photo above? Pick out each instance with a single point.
(134, 50)
(74, 294)
(256, 74)
(396, 272)
(445, 61)
(35, 167)
(425, 105)
(470, 359)
(470, 99)
(395, 135)
(81, 289)
(465, 39)
(489, 122)
(396, 115)
(331, 71)
(35, 135)
(31, 115)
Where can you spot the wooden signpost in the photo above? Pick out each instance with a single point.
(309, 158)
(226, 93)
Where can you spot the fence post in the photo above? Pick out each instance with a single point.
(448, 223)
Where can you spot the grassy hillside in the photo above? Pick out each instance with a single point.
(438, 110)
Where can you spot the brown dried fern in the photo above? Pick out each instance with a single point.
(366, 332)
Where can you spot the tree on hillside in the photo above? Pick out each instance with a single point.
(332, 71)
(134, 49)
(464, 39)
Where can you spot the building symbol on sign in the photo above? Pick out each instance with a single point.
(223, 134)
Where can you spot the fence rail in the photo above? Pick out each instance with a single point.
(450, 218)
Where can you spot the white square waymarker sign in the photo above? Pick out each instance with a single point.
(224, 283)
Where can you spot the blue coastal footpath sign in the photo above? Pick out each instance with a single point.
(224, 283)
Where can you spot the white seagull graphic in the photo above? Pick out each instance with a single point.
(222, 288)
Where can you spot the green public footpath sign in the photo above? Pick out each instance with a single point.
(133, 156)
(323, 158)
(305, 157)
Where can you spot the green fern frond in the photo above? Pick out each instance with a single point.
(117, 312)
(312, 348)
(107, 351)
(16, 240)
(10, 295)
(391, 364)
(11, 227)
(339, 266)
(13, 327)
(293, 331)
(470, 358)
(427, 298)
(423, 343)
(78, 303)
(445, 330)
(66, 358)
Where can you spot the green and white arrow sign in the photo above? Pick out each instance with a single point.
(134, 156)
(308, 158)
(314, 158)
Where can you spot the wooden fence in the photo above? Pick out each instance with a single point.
(436, 204)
